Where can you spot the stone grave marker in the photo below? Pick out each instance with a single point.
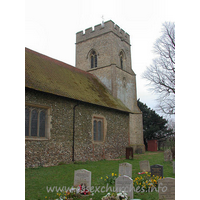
(124, 183)
(144, 166)
(168, 155)
(82, 176)
(173, 167)
(156, 170)
(125, 169)
(166, 188)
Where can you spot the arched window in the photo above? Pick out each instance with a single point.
(98, 129)
(121, 56)
(36, 122)
(93, 58)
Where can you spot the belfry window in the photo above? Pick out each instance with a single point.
(121, 56)
(93, 58)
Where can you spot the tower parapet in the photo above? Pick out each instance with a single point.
(101, 29)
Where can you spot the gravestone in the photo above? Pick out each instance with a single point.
(124, 183)
(144, 166)
(166, 188)
(168, 155)
(173, 167)
(82, 176)
(125, 169)
(157, 170)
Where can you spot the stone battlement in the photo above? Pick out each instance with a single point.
(100, 29)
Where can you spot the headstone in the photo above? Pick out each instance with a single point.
(125, 169)
(157, 170)
(144, 166)
(166, 188)
(82, 176)
(124, 183)
(173, 167)
(168, 155)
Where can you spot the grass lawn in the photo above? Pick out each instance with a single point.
(37, 180)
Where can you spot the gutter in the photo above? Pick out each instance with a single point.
(74, 115)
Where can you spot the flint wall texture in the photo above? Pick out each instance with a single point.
(58, 148)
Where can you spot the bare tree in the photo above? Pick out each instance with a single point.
(161, 74)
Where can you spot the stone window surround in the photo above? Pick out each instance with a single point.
(101, 117)
(93, 59)
(48, 122)
(122, 57)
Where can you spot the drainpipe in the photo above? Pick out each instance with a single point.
(74, 129)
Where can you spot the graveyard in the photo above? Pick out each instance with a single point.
(103, 177)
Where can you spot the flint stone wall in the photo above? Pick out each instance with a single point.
(58, 149)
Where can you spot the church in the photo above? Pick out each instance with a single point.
(86, 112)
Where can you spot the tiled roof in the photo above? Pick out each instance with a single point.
(52, 76)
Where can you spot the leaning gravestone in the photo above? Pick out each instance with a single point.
(144, 166)
(166, 188)
(82, 176)
(168, 155)
(125, 169)
(124, 183)
(156, 170)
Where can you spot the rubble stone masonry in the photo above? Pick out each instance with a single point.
(57, 147)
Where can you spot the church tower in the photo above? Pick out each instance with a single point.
(105, 52)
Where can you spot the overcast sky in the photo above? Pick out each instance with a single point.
(51, 28)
